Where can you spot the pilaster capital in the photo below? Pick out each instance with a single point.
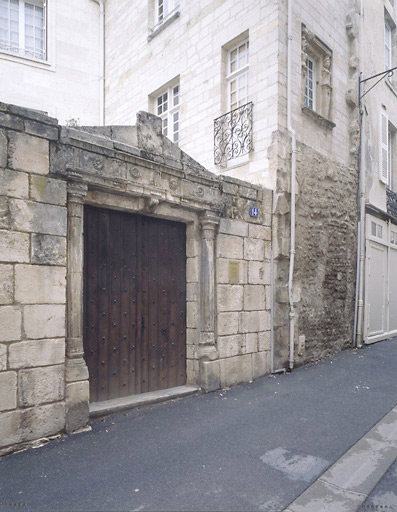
(208, 222)
(77, 191)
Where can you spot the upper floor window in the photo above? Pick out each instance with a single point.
(316, 78)
(167, 108)
(310, 84)
(388, 47)
(165, 8)
(23, 27)
(237, 76)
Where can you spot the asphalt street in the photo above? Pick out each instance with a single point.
(256, 446)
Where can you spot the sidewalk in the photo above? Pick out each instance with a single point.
(257, 446)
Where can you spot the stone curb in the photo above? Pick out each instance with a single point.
(129, 402)
(347, 484)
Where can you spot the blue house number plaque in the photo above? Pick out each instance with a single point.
(254, 211)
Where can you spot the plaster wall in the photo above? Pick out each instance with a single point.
(66, 85)
(381, 98)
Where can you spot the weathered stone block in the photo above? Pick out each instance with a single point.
(209, 375)
(252, 321)
(233, 227)
(8, 391)
(230, 297)
(258, 231)
(38, 217)
(42, 421)
(192, 248)
(6, 284)
(41, 385)
(14, 183)
(192, 292)
(28, 153)
(228, 246)
(12, 122)
(35, 284)
(235, 370)
(263, 341)
(14, 246)
(222, 271)
(227, 323)
(192, 270)
(229, 346)
(48, 249)
(251, 342)
(254, 249)
(258, 272)
(41, 130)
(192, 372)
(254, 297)
(3, 357)
(260, 364)
(191, 336)
(48, 190)
(10, 323)
(42, 321)
(3, 149)
(10, 428)
(28, 354)
(191, 315)
(77, 405)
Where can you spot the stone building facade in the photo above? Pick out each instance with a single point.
(49, 175)
(222, 55)
(58, 71)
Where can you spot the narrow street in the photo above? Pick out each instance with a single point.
(253, 447)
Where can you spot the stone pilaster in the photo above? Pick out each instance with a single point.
(77, 389)
(208, 354)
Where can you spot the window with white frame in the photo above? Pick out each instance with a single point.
(167, 108)
(388, 47)
(165, 9)
(310, 84)
(237, 75)
(386, 146)
(23, 28)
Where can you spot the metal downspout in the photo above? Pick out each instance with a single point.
(361, 225)
(101, 4)
(293, 179)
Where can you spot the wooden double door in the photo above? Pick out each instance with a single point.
(134, 303)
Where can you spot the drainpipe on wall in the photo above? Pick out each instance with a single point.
(101, 4)
(361, 224)
(293, 178)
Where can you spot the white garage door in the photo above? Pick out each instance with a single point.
(381, 280)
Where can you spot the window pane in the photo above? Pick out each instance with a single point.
(373, 228)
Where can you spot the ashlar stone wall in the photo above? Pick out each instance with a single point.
(47, 175)
(32, 280)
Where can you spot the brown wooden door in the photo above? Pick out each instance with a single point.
(134, 303)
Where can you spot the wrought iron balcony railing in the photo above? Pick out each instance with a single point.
(233, 134)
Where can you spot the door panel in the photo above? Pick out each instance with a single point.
(377, 267)
(393, 289)
(134, 303)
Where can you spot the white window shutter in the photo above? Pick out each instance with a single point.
(384, 148)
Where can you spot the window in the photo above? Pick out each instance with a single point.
(167, 108)
(316, 78)
(310, 84)
(386, 145)
(165, 9)
(388, 47)
(237, 75)
(23, 27)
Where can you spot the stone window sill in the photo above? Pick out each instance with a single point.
(163, 26)
(323, 121)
